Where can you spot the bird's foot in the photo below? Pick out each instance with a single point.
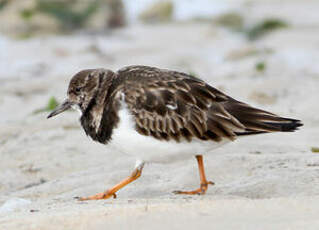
(99, 196)
(200, 191)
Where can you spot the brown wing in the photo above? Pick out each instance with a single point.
(172, 105)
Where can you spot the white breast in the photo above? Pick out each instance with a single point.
(146, 148)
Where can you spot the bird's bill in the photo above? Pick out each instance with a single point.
(61, 108)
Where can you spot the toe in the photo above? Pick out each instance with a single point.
(99, 196)
(81, 198)
(177, 192)
(195, 192)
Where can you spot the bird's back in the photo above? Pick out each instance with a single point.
(170, 105)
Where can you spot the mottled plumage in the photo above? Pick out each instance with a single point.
(168, 106)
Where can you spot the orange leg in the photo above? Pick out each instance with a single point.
(203, 182)
(111, 192)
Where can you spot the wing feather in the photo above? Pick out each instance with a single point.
(172, 105)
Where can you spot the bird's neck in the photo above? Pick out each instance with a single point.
(100, 118)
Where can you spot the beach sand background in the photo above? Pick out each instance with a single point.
(262, 182)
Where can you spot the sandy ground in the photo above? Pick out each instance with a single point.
(262, 182)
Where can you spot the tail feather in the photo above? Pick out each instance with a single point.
(290, 126)
(258, 121)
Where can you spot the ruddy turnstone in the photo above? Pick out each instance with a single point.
(161, 115)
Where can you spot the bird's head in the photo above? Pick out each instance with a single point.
(84, 88)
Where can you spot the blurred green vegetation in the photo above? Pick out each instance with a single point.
(3, 4)
(315, 149)
(161, 11)
(63, 12)
(235, 22)
(260, 66)
(231, 20)
(265, 27)
(51, 105)
(27, 14)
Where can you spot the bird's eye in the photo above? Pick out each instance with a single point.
(77, 89)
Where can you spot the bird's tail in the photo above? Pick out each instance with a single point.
(260, 121)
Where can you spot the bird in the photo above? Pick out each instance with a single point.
(160, 115)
